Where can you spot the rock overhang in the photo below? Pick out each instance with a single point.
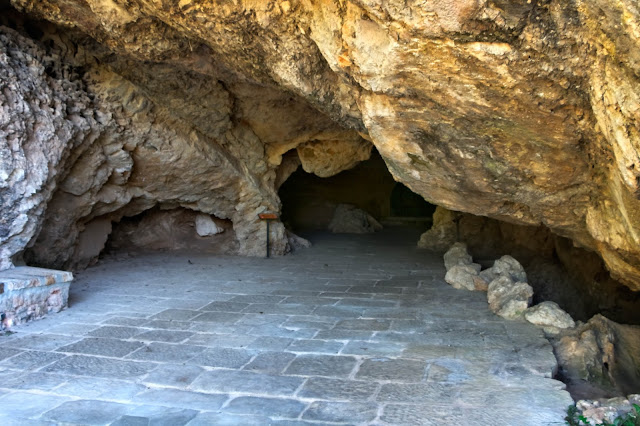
(523, 111)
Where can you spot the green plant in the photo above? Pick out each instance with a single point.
(632, 418)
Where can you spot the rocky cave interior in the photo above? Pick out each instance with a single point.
(136, 119)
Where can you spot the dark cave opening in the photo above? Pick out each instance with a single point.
(309, 201)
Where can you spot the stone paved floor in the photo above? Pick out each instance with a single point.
(356, 330)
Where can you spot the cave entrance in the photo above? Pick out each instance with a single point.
(309, 202)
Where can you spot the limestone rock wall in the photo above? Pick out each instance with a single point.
(524, 111)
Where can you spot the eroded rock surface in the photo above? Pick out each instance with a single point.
(525, 111)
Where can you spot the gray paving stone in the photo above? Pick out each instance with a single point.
(344, 335)
(167, 324)
(166, 352)
(122, 321)
(94, 387)
(353, 412)
(450, 360)
(106, 347)
(72, 329)
(285, 408)
(310, 300)
(401, 370)
(422, 414)
(36, 381)
(257, 298)
(115, 332)
(270, 362)
(28, 405)
(223, 357)
(292, 333)
(359, 347)
(255, 319)
(336, 389)
(279, 309)
(218, 317)
(29, 360)
(161, 416)
(81, 365)
(180, 398)
(363, 324)
(174, 375)
(127, 420)
(318, 346)
(225, 306)
(176, 315)
(228, 419)
(86, 412)
(167, 336)
(309, 322)
(366, 303)
(321, 365)
(419, 393)
(41, 342)
(245, 382)
(270, 343)
(339, 312)
(8, 352)
(221, 340)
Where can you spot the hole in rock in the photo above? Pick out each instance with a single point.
(309, 202)
(172, 229)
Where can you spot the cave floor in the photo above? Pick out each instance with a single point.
(358, 329)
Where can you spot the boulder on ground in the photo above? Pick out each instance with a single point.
(507, 298)
(462, 277)
(550, 317)
(601, 353)
(457, 255)
(348, 219)
(505, 266)
(205, 226)
(296, 242)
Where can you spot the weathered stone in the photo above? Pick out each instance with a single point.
(549, 316)
(505, 266)
(602, 353)
(443, 232)
(328, 157)
(205, 226)
(462, 277)
(28, 293)
(457, 255)
(296, 242)
(509, 299)
(348, 219)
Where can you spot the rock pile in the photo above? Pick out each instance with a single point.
(508, 293)
(606, 411)
(597, 358)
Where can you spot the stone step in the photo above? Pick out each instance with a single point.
(28, 293)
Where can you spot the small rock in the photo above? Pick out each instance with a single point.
(462, 277)
(296, 242)
(457, 255)
(480, 284)
(348, 219)
(509, 299)
(507, 266)
(549, 316)
(205, 226)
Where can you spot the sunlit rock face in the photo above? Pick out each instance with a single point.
(524, 111)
